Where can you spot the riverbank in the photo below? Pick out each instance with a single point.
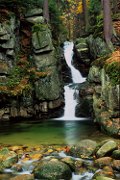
(87, 159)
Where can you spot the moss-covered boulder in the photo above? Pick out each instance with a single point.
(52, 170)
(116, 154)
(8, 158)
(106, 148)
(84, 148)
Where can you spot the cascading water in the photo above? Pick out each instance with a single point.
(71, 93)
(68, 54)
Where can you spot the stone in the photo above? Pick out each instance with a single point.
(103, 161)
(3, 30)
(84, 148)
(70, 162)
(116, 165)
(36, 19)
(9, 44)
(44, 60)
(116, 154)
(23, 177)
(97, 46)
(34, 12)
(94, 74)
(10, 52)
(8, 158)
(49, 86)
(42, 41)
(55, 103)
(82, 51)
(103, 178)
(3, 67)
(52, 170)
(5, 37)
(106, 148)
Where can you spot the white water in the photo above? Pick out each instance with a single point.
(68, 54)
(71, 94)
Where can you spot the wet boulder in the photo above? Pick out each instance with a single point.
(8, 158)
(116, 154)
(106, 148)
(53, 170)
(23, 177)
(103, 161)
(84, 148)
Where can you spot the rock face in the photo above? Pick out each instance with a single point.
(105, 101)
(29, 76)
(101, 93)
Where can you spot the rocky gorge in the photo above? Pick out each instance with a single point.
(30, 82)
(32, 75)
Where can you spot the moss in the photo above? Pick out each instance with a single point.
(100, 62)
(39, 27)
(113, 71)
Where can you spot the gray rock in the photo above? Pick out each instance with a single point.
(10, 52)
(42, 41)
(3, 30)
(44, 60)
(94, 74)
(5, 37)
(34, 12)
(36, 19)
(9, 44)
(106, 148)
(48, 88)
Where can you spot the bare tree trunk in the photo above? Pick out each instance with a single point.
(85, 11)
(107, 23)
(46, 10)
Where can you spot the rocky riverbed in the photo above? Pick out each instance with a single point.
(88, 160)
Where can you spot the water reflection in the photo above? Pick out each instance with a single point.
(71, 133)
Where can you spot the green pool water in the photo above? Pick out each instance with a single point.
(48, 132)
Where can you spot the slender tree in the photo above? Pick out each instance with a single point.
(85, 12)
(46, 10)
(107, 22)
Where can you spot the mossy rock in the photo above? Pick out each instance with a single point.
(116, 154)
(84, 149)
(52, 170)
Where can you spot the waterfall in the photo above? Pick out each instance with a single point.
(70, 93)
(68, 54)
